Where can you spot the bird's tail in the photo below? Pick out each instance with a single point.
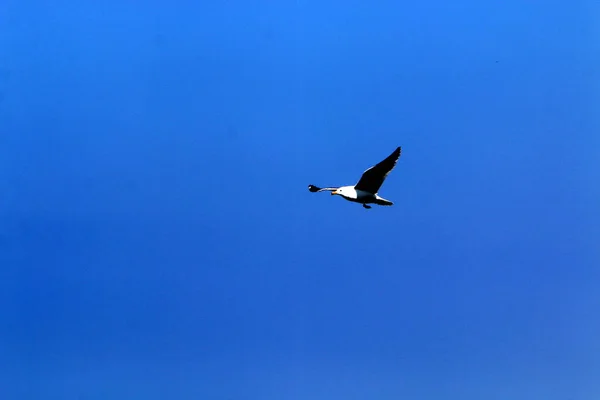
(383, 202)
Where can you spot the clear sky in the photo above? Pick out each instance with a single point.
(158, 241)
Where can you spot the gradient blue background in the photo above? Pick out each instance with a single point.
(157, 240)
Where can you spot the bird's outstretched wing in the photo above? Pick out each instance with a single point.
(372, 179)
(314, 189)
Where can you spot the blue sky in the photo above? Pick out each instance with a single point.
(157, 239)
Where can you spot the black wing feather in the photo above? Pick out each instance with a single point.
(372, 179)
(315, 189)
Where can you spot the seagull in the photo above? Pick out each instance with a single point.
(365, 191)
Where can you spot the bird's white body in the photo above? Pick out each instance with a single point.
(359, 196)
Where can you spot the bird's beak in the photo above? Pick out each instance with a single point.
(334, 192)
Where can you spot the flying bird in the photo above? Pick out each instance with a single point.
(365, 191)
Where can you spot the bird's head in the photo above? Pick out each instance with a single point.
(339, 191)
